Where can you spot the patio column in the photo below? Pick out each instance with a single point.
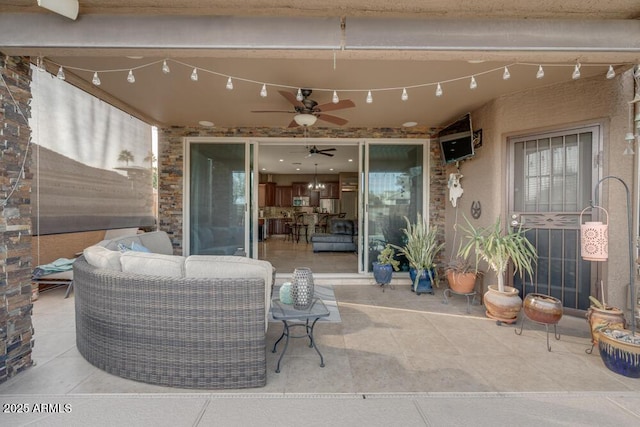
(16, 330)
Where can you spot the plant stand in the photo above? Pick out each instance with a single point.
(471, 297)
(542, 309)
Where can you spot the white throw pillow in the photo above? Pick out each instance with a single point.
(101, 257)
(152, 264)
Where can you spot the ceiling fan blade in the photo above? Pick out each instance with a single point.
(291, 98)
(273, 111)
(325, 154)
(293, 124)
(333, 119)
(330, 106)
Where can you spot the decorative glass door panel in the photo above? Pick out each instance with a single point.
(395, 189)
(552, 176)
(218, 198)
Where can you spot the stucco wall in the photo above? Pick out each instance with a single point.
(585, 101)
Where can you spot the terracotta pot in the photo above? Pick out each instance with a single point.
(461, 283)
(502, 306)
(612, 318)
(620, 351)
(542, 308)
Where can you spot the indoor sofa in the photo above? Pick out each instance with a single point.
(190, 322)
(342, 237)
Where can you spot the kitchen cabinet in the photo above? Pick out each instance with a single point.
(278, 225)
(331, 190)
(284, 196)
(267, 194)
(300, 189)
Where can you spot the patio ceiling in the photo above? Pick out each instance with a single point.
(352, 48)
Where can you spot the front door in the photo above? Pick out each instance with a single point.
(551, 179)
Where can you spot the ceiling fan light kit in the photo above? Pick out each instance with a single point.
(305, 119)
(67, 8)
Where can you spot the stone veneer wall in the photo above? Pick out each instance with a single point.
(16, 330)
(171, 165)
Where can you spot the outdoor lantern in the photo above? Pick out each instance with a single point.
(594, 236)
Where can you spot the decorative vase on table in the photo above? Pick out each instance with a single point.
(425, 281)
(302, 288)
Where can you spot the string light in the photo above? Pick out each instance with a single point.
(60, 74)
(263, 91)
(130, 77)
(576, 72)
(506, 75)
(504, 69)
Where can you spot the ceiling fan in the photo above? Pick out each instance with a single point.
(314, 150)
(307, 111)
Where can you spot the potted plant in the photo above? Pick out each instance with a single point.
(461, 276)
(498, 248)
(383, 269)
(421, 248)
(602, 316)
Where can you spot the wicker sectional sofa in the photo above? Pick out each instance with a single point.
(196, 322)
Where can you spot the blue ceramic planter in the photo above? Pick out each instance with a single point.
(382, 273)
(424, 281)
(620, 357)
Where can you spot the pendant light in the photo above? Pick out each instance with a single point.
(315, 185)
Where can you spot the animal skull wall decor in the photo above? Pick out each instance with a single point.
(455, 189)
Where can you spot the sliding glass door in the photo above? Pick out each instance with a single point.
(394, 188)
(219, 198)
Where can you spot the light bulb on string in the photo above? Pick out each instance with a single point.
(40, 63)
(506, 75)
(335, 98)
(194, 75)
(229, 85)
(438, 90)
(263, 91)
(60, 74)
(95, 80)
(404, 95)
(130, 77)
(299, 96)
(576, 72)
(165, 67)
(540, 73)
(369, 98)
(473, 84)
(611, 72)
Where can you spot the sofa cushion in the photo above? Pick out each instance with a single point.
(100, 257)
(232, 267)
(157, 242)
(133, 247)
(152, 264)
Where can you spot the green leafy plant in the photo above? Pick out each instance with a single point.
(421, 246)
(498, 248)
(387, 257)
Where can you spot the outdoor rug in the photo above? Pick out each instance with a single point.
(325, 292)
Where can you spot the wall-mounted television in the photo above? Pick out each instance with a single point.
(456, 140)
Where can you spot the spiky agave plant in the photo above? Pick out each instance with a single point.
(421, 247)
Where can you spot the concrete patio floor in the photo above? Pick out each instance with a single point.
(395, 359)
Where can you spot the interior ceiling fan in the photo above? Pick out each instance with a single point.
(307, 110)
(314, 150)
